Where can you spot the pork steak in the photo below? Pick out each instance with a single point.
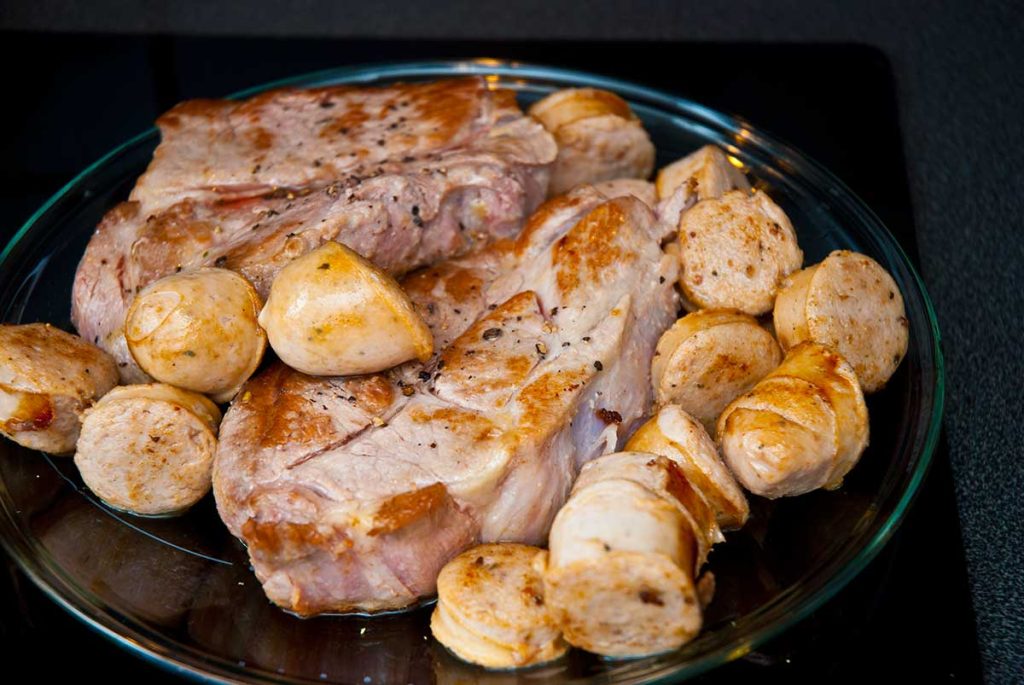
(352, 493)
(405, 175)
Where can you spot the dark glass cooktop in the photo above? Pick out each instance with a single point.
(907, 615)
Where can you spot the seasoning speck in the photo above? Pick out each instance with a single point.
(599, 366)
(492, 334)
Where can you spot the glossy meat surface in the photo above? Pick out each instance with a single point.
(352, 493)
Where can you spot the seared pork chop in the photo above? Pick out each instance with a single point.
(352, 493)
(405, 175)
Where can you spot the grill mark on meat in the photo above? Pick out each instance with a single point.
(286, 415)
(328, 447)
(284, 403)
(406, 508)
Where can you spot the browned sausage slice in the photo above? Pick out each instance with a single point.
(803, 427)
(491, 610)
(674, 434)
(735, 251)
(148, 449)
(701, 175)
(47, 379)
(599, 138)
(710, 357)
(850, 303)
(624, 552)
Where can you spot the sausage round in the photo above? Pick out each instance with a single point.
(710, 357)
(491, 609)
(599, 138)
(734, 252)
(802, 427)
(675, 435)
(701, 175)
(148, 449)
(850, 303)
(624, 552)
(47, 379)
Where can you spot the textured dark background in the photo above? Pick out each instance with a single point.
(959, 70)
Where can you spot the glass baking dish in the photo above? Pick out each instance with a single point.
(180, 592)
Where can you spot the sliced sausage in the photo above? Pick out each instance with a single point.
(675, 435)
(148, 449)
(599, 138)
(709, 358)
(668, 480)
(47, 379)
(198, 331)
(704, 174)
(734, 252)
(491, 609)
(620, 573)
(803, 427)
(850, 303)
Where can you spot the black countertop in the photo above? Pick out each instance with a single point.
(959, 87)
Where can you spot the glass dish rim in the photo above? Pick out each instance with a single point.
(192, 665)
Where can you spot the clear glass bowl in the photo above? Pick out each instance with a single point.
(180, 592)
